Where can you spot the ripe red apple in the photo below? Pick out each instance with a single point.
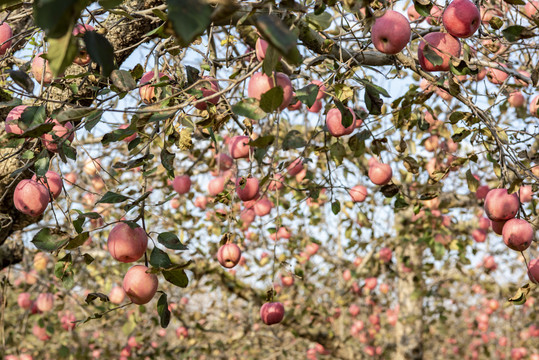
(140, 286)
(276, 183)
(229, 255)
(444, 45)
(182, 332)
(30, 197)
(67, 320)
(533, 271)
(13, 117)
(182, 184)
(45, 302)
(263, 206)
(238, 148)
(40, 333)
(390, 32)
(116, 295)
(482, 192)
(497, 226)
(479, 235)
(413, 15)
(499, 205)
(435, 17)
(201, 202)
(497, 76)
(91, 166)
(60, 134)
(247, 188)
(380, 174)
(484, 223)
(261, 47)
(517, 234)
(52, 182)
(461, 18)
(353, 310)
(321, 89)
(295, 167)
(5, 38)
(209, 86)
(224, 161)
(260, 83)
(24, 300)
(385, 254)
(530, 9)
(147, 92)
(125, 244)
(516, 99)
(431, 143)
(287, 280)
(216, 185)
(358, 193)
(525, 193)
(41, 69)
(334, 123)
(312, 248)
(272, 313)
(83, 58)
(370, 283)
(534, 106)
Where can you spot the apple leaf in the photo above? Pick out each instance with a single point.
(176, 277)
(163, 311)
(188, 24)
(170, 241)
(73, 114)
(319, 22)
(272, 99)
(473, 183)
(249, 108)
(520, 296)
(293, 140)
(160, 259)
(62, 51)
(50, 240)
(336, 207)
(57, 17)
(123, 80)
(279, 36)
(100, 51)
(423, 7)
(167, 160)
(517, 32)
(307, 95)
(432, 56)
(112, 198)
(346, 116)
(262, 142)
(93, 296)
(270, 60)
(22, 79)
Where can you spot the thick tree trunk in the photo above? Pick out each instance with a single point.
(409, 329)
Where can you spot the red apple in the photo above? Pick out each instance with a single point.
(229, 255)
(499, 205)
(40, 333)
(287, 280)
(52, 181)
(497, 76)
(140, 286)
(380, 174)
(67, 320)
(435, 17)
(13, 117)
(41, 69)
(24, 301)
(209, 86)
(353, 310)
(335, 125)
(358, 193)
(321, 89)
(126, 244)
(461, 18)
(30, 197)
(238, 147)
(182, 184)
(413, 15)
(482, 192)
(5, 37)
(525, 193)
(224, 161)
(276, 183)
(391, 32)
(479, 235)
(385, 254)
(370, 283)
(534, 106)
(182, 332)
(201, 202)
(45, 302)
(272, 313)
(530, 9)
(116, 295)
(147, 92)
(517, 234)
(60, 134)
(260, 83)
(533, 271)
(497, 226)
(484, 223)
(263, 206)
(247, 188)
(83, 58)
(295, 167)
(516, 99)
(444, 45)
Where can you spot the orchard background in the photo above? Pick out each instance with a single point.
(367, 225)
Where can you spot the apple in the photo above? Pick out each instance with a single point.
(261, 47)
(384, 288)
(358, 193)
(147, 92)
(52, 181)
(390, 32)
(140, 286)
(444, 45)
(116, 295)
(481, 192)
(182, 184)
(40, 261)
(497, 226)
(224, 161)
(83, 58)
(295, 167)
(45, 302)
(263, 206)
(287, 280)
(41, 69)
(276, 183)
(272, 313)
(497, 76)
(530, 9)
(370, 283)
(525, 193)
(238, 147)
(12, 118)
(182, 332)
(229, 255)
(91, 166)
(499, 205)
(60, 134)
(247, 188)
(126, 244)
(353, 310)
(296, 105)
(517, 234)
(516, 99)
(40, 333)
(385, 254)
(413, 15)
(479, 235)
(260, 83)
(67, 321)
(488, 13)
(209, 86)
(30, 197)
(431, 143)
(435, 17)
(216, 185)
(484, 223)
(312, 248)
(5, 38)
(335, 125)
(534, 106)
(533, 271)
(24, 301)
(380, 174)
(461, 18)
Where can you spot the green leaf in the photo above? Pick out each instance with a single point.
(163, 311)
(423, 8)
(32, 116)
(515, 2)
(50, 240)
(160, 259)
(319, 22)
(517, 32)
(431, 55)
(307, 95)
(116, 135)
(42, 164)
(272, 99)
(176, 277)
(250, 108)
(338, 152)
(276, 33)
(170, 241)
(57, 17)
(411, 165)
(22, 79)
(473, 183)
(167, 160)
(92, 119)
(61, 52)
(74, 114)
(270, 60)
(77, 240)
(10, 4)
(100, 51)
(336, 207)
(262, 142)
(123, 80)
(461, 68)
(109, 4)
(93, 296)
(112, 198)
(189, 19)
(36, 130)
(346, 116)
(293, 140)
